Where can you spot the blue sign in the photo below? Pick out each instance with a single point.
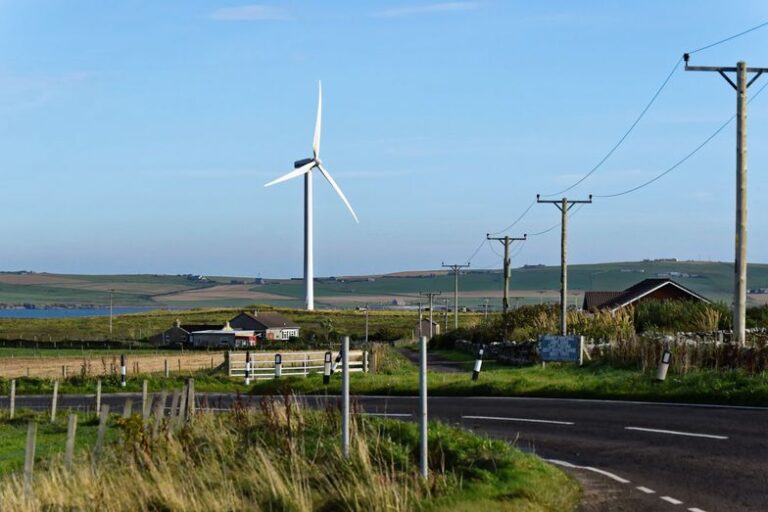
(561, 348)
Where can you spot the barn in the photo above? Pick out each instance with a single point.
(268, 325)
(648, 289)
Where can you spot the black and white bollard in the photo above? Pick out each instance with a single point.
(247, 367)
(661, 371)
(478, 365)
(327, 368)
(122, 370)
(278, 365)
(337, 361)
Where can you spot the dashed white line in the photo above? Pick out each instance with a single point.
(671, 500)
(524, 420)
(696, 509)
(645, 489)
(676, 432)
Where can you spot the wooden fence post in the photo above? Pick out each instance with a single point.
(191, 397)
(144, 390)
(29, 456)
(167, 373)
(183, 406)
(13, 398)
(174, 404)
(69, 448)
(98, 396)
(127, 408)
(54, 400)
(103, 417)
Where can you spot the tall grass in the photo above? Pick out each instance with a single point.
(285, 458)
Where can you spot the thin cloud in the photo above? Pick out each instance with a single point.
(252, 12)
(410, 10)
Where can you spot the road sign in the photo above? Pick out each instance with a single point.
(561, 348)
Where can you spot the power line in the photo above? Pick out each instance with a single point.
(623, 137)
(516, 220)
(765, 23)
(570, 216)
(477, 250)
(682, 160)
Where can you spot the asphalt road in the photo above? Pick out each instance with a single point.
(631, 456)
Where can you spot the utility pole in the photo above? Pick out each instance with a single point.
(505, 241)
(740, 262)
(366, 323)
(430, 296)
(564, 205)
(445, 314)
(111, 293)
(455, 269)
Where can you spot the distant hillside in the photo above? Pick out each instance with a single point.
(529, 284)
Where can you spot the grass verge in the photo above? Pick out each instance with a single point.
(282, 457)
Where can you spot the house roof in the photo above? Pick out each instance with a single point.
(594, 300)
(271, 319)
(200, 327)
(637, 292)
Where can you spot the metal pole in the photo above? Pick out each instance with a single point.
(423, 428)
(740, 293)
(111, 292)
(345, 396)
(564, 267)
(431, 307)
(366, 323)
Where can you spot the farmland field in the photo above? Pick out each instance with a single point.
(531, 284)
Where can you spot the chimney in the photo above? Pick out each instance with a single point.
(255, 313)
(177, 323)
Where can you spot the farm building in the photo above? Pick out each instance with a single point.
(422, 327)
(180, 334)
(648, 289)
(221, 338)
(267, 325)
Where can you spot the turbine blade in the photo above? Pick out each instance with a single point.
(294, 173)
(318, 121)
(338, 191)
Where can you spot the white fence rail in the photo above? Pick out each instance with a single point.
(292, 363)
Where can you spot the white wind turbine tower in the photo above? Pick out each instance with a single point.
(305, 167)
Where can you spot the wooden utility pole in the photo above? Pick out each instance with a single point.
(505, 241)
(431, 296)
(455, 269)
(740, 263)
(564, 205)
(111, 294)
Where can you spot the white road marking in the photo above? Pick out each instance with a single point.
(645, 490)
(391, 414)
(671, 500)
(524, 420)
(675, 432)
(696, 509)
(589, 468)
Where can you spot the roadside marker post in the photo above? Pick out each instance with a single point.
(122, 370)
(423, 432)
(278, 365)
(247, 367)
(29, 456)
(69, 447)
(327, 368)
(478, 365)
(661, 371)
(345, 396)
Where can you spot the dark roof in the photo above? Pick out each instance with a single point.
(638, 291)
(271, 319)
(200, 327)
(594, 300)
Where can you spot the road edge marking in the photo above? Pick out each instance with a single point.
(521, 420)
(676, 433)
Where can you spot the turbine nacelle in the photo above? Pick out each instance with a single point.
(302, 162)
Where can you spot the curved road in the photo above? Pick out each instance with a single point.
(639, 456)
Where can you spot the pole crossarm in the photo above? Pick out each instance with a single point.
(568, 202)
(722, 70)
(456, 269)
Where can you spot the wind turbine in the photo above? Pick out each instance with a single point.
(305, 167)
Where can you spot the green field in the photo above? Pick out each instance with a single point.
(528, 285)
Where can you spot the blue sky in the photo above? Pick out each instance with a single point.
(137, 136)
